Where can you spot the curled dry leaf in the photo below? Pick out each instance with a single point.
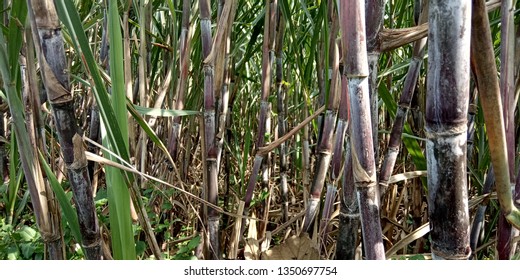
(294, 248)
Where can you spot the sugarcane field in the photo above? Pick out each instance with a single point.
(259, 130)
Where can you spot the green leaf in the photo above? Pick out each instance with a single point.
(27, 234)
(194, 242)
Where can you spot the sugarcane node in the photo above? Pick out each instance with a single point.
(45, 18)
(438, 254)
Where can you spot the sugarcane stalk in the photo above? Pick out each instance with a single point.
(352, 16)
(31, 98)
(211, 188)
(505, 231)
(325, 143)
(349, 217)
(49, 41)
(265, 107)
(184, 58)
(482, 57)
(374, 19)
(446, 127)
(405, 100)
(282, 122)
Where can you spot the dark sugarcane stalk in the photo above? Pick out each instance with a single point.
(220, 56)
(213, 67)
(374, 19)
(325, 144)
(52, 59)
(223, 93)
(352, 16)
(267, 163)
(405, 100)
(341, 129)
(95, 120)
(349, 218)
(271, 7)
(282, 122)
(472, 111)
(35, 130)
(224, 125)
(306, 159)
(446, 127)
(210, 153)
(341, 126)
(349, 209)
(505, 231)
(184, 59)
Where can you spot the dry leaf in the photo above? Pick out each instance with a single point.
(252, 249)
(294, 248)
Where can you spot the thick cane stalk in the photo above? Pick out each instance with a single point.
(446, 127)
(55, 76)
(352, 14)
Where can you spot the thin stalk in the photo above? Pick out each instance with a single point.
(349, 210)
(95, 120)
(374, 20)
(184, 59)
(210, 154)
(446, 127)
(282, 121)
(265, 106)
(214, 70)
(325, 144)
(412, 76)
(352, 16)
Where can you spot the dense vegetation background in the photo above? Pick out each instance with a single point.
(269, 129)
